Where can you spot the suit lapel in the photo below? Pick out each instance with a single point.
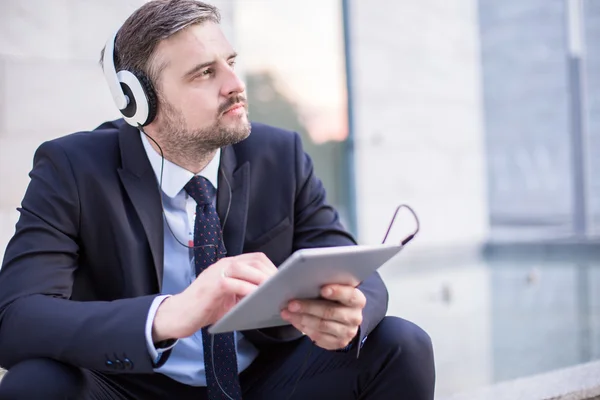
(141, 186)
(139, 181)
(232, 200)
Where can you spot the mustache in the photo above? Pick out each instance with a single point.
(232, 101)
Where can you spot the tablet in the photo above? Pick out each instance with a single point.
(301, 276)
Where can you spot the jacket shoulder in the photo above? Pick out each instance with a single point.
(266, 133)
(266, 139)
(99, 142)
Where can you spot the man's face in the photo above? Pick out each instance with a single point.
(202, 103)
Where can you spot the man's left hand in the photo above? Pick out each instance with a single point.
(331, 323)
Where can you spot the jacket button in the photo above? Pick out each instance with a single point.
(109, 364)
(119, 364)
(128, 363)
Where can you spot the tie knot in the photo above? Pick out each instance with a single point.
(201, 190)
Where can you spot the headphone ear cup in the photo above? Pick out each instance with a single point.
(151, 97)
(142, 98)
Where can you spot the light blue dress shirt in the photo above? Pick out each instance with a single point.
(186, 362)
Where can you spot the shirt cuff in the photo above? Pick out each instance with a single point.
(156, 350)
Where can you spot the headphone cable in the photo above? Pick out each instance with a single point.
(194, 247)
(212, 337)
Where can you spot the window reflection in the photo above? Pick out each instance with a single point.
(294, 68)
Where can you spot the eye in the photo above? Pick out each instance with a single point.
(232, 63)
(207, 72)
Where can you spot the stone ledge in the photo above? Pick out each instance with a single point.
(581, 382)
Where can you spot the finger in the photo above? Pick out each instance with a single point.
(327, 342)
(286, 316)
(259, 261)
(245, 272)
(347, 295)
(269, 270)
(310, 323)
(327, 310)
(237, 287)
(324, 340)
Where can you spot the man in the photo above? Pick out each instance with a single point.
(133, 238)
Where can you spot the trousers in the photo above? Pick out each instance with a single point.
(395, 362)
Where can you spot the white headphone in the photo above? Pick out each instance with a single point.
(132, 91)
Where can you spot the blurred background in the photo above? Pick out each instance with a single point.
(483, 115)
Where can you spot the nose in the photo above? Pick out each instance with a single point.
(233, 84)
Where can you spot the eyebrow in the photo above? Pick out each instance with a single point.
(200, 67)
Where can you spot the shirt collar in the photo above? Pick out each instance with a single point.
(174, 178)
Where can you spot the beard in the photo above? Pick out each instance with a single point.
(193, 145)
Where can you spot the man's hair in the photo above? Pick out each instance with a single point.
(148, 25)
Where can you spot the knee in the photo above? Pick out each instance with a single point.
(407, 338)
(41, 379)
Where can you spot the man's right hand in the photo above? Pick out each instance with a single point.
(216, 290)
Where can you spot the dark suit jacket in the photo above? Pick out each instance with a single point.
(86, 260)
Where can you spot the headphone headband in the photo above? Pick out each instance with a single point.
(110, 73)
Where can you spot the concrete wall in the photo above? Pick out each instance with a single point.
(418, 118)
(592, 95)
(525, 75)
(50, 81)
(453, 306)
(417, 104)
(419, 140)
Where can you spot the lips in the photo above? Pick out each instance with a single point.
(235, 107)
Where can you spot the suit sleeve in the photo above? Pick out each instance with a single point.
(37, 317)
(317, 224)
